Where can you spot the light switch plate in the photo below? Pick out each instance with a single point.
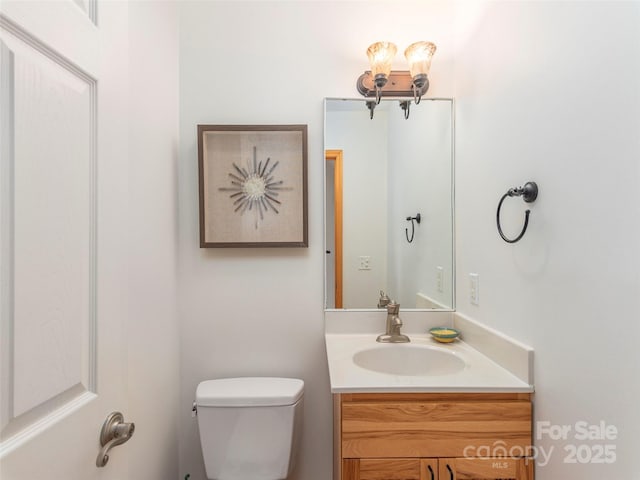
(474, 288)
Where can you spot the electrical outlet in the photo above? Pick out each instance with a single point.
(474, 288)
(364, 263)
(439, 276)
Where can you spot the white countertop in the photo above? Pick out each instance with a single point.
(481, 374)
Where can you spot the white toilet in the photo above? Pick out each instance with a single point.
(250, 427)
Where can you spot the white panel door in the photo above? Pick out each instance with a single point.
(63, 191)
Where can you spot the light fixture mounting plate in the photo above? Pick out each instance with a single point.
(399, 84)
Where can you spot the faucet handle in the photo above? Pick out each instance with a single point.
(384, 300)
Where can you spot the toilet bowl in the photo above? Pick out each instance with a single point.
(250, 427)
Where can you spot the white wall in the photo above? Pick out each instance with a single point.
(151, 229)
(548, 91)
(253, 311)
(420, 171)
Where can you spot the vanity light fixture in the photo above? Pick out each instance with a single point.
(381, 81)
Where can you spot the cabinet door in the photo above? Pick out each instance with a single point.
(429, 469)
(390, 469)
(485, 469)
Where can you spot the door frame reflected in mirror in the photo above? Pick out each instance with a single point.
(333, 159)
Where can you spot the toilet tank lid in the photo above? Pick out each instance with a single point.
(249, 392)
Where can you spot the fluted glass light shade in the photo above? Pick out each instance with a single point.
(380, 57)
(419, 58)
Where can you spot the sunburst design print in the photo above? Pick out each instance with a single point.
(255, 187)
(252, 182)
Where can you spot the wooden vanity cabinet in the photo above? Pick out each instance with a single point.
(432, 436)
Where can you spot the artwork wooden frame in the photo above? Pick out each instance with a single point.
(253, 185)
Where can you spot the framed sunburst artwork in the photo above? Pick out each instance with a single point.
(253, 185)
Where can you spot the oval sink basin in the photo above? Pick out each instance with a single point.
(408, 359)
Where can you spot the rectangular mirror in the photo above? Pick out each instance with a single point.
(380, 173)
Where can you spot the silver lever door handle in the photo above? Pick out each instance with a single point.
(114, 432)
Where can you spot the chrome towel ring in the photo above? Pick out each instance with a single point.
(528, 193)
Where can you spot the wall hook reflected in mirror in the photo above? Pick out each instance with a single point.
(413, 231)
(529, 192)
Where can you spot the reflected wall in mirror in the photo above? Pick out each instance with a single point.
(378, 173)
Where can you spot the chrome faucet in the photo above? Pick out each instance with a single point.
(394, 323)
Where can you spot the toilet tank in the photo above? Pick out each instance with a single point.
(249, 427)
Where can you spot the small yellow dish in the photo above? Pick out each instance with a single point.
(444, 334)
